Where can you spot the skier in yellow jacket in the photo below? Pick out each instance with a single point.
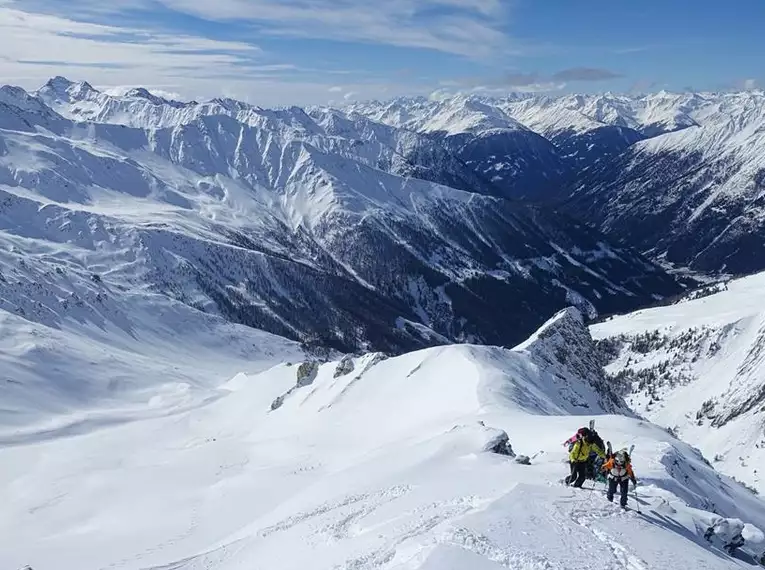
(580, 455)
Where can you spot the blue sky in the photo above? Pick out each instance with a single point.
(319, 51)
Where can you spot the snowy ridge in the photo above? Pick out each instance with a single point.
(452, 116)
(650, 114)
(697, 367)
(329, 480)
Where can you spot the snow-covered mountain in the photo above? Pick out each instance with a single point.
(518, 162)
(678, 176)
(689, 164)
(310, 226)
(698, 368)
(583, 130)
(693, 196)
(138, 236)
(327, 480)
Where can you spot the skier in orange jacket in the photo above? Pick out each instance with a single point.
(620, 473)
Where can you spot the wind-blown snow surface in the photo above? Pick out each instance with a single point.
(373, 463)
(322, 228)
(698, 367)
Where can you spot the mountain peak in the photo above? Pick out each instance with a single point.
(66, 89)
(564, 345)
(59, 83)
(143, 93)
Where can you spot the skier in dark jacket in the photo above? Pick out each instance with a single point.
(596, 461)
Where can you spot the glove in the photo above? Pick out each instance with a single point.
(634, 483)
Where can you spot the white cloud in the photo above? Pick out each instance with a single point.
(36, 47)
(539, 87)
(37, 41)
(43, 38)
(469, 27)
(750, 84)
(441, 94)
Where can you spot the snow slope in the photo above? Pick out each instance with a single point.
(373, 463)
(101, 355)
(698, 367)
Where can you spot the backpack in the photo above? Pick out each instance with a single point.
(626, 455)
(581, 433)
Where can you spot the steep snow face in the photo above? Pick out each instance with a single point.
(372, 463)
(307, 226)
(693, 196)
(697, 367)
(582, 139)
(400, 151)
(563, 349)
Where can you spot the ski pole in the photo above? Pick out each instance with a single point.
(637, 501)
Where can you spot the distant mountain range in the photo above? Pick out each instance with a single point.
(681, 177)
(325, 226)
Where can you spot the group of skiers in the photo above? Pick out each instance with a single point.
(591, 458)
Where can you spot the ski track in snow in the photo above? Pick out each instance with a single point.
(588, 519)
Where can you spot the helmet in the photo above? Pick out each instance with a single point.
(620, 458)
(583, 433)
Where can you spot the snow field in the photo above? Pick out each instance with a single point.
(384, 466)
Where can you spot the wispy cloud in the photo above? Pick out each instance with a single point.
(464, 27)
(472, 28)
(585, 74)
(633, 49)
(31, 39)
(181, 47)
(36, 46)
